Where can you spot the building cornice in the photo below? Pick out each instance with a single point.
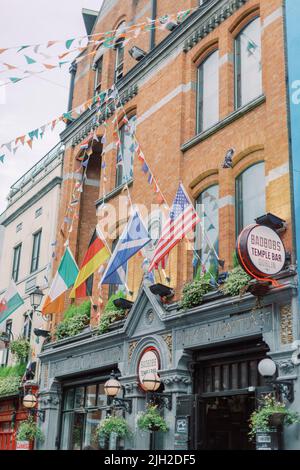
(198, 25)
(6, 220)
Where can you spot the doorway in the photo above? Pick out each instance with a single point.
(226, 383)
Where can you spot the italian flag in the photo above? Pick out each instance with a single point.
(10, 302)
(64, 279)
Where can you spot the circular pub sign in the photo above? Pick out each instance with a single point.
(149, 362)
(260, 251)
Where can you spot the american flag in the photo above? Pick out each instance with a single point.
(183, 218)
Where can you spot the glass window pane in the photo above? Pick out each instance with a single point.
(66, 431)
(208, 92)
(77, 431)
(91, 439)
(207, 233)
(79, 397)
(69, 399)
(126, 152)
(90, 398)
(102, 398)
(249, 63)
(253, 197)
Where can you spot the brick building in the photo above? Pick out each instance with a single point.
(212, 85)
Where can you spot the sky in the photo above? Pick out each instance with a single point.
(32, 102)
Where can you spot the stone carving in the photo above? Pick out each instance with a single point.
(176, 379)
(86, 361)
(286, 324)
(49, 400)
(149, 317)
(168, 339)
(286, 366)
(131, 349)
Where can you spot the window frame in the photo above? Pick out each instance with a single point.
(120, 168)
(199, 94)
(34, 266)
(237, 66)
(97, 84)
(239, 205)
(119, 59)
(8, 330)
(16, 262)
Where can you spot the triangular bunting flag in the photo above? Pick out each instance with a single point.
(33, 134)
(49, 66)
(2, 158)
(2, 50)
(10, 67)
(22, 47)
(69, 43)
(29, 142)
(29, 60)
(14, 79)
(51, 43)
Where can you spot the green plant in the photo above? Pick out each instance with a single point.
(151, 420)
(110, 306)
(111, 313)
(71, 326)
(83, 309)
(30, 431)
(192, 294)
(10, 379)
(260, 419)
(20, 348)
(12, 371)
(236, 283)
(107, 318)
(113, 424)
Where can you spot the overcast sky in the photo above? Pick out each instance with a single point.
(26, 105)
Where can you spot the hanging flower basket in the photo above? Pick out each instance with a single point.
(277, 419)
(258, 288)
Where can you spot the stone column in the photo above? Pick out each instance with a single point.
(50, 403)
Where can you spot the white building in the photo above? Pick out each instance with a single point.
(27, 244)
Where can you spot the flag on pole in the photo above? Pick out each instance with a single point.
(10, 301)
(134, 237)
(182, 219)
(96, 255)
(64, 279)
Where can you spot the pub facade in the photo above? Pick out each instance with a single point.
(208, 105)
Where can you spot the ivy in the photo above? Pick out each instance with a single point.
(76, 318)
(20, 348)
(9, 385)
(111, 313)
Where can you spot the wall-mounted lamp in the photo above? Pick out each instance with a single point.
(112, 388)
(272, 221)
(29, 402)
(137, 53)
(267, 368)
(151, 383)
(36, 298)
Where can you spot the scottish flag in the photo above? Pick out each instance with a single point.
(134, 237)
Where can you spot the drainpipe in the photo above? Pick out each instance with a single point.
(72, 70)
(153, 17)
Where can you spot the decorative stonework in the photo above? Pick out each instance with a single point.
(45, 375)
(149, 317)
(286, 324)
(131, 349)
(168, 339)
(213, 22)
(177, 379)
(286, 367)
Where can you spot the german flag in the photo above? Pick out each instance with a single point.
(96, 255)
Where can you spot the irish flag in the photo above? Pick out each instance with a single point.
(64, 279)
(10, 302)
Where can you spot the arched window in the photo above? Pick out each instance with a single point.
(207, 232)
(248, 73)
(126, 152)
(119, 48)
(250, 196)
(208, 92)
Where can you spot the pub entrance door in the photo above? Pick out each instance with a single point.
(225, 382)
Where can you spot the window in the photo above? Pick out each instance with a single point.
(16, 262)
(126, 152)
(250, 196)
(84, 407)
(207, 232)
(119, 48)
(114, 288)
(36, 251)
(19, 227)
(208, 92)
(38, 212)
(248, 73)
(27, 327)
(8, 330)
(98, 74)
